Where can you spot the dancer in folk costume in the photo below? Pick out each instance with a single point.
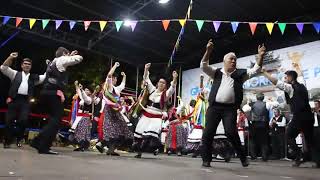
(115, 129)
(148, 129)
(81, 126)
(179, 127)
(198, 120)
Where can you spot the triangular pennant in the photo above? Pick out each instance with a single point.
(58, 23)
(32, 22)
(71, 24)
(270, 27)
(18, 21)
(118, 25)
(316, 26)
(182, 22)
(199, 24)
(300, 27)
(133, 25)
(282, 27)
(216, 25)
(234, 26)
(45, 23)
(102, 25)
(253, 27)
(165, 24)
(86, 25)
(5, 19)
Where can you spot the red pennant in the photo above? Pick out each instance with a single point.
(86, 25)
(165, 24)
(18, 21)
(253, 27)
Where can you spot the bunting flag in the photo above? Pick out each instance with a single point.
(317, 26)
(5, 19)
(86, 25)
(182, 22)
(216, 25)
(118, 25)
(300, 27)
(71, 24)
(165, 24)
(102, 25)
(58, 23)
(234, 26)
(133, 25)
(253, 27)
(270, 27)
(18, 21)
(282, 27)
(32, 22)
(199, 24)
(45, 23)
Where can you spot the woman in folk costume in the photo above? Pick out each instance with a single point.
(115, 129)
(97, 97)
(178, 132)
(198, 120)
(81, 126)
(147, 133)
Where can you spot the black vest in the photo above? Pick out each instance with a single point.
(15, 84)
(276, 128)
(55, 80)
(86, 108)
(259, 112)
(238, 77)
(300, 99)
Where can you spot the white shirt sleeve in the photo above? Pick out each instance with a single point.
(41, 79)
(65, 61)
(171, 90)
(150, 86)
(301, 80)
(121, 87)
(97, 100)
(271, 105)
(282, 123)
(7, 71)
(86, 99)
(209, 70)
(285, 87)
(253, 71)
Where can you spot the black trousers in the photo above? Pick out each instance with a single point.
(259, 139)
(316, 152)
(214, 115)
(301, 122)
(278, 143)
(17, 115)
(55, 111)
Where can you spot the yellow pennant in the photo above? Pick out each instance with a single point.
(102, 25)
(32, 22)
(182, 22)
(270, 27)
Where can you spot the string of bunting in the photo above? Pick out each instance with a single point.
(165, 23)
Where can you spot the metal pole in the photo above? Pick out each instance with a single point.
(137, 82)
(179, 87)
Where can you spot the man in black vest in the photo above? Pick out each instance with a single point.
(259, 128)
(20, 92)
(225, 98)
(302, 121)
(277, 126)
(53, 97)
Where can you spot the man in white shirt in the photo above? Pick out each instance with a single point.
(303, 120)
(53, 97)
(20, 92)
(225, 98)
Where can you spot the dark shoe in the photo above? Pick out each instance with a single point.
(297, 163)
(206, 164)
(19, 145)
(156, 152)
(79, 149)
(169, 153)
(48, 152)
(194, 155)
(112, 153)
(138, 156)
(317, 165)
(179, 153)
(100, 149)
(35, 144)
(245, 162)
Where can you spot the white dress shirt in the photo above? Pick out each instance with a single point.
(63, 62)
(288, 87)
(23, 88)
(225, 92)
(316, 120)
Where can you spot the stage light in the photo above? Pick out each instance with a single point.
(32, 100)
(163, 1)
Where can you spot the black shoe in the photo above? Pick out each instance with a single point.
(112, 154)
(297, 163)
(179, 153)
(48, 152)
(194, 155)
(6, 146)
(206, 164)
(79, 149)
(138, 156)
(35, 144)
(100, 149)
(169, 153)
(19, 145)
(244, 162)
(156, 152)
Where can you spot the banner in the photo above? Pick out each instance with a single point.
(277, 62)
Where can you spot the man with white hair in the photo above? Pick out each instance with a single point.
(225, 98)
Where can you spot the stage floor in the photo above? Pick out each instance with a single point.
(25, 164)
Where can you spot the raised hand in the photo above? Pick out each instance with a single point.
(147, 66)
(75, 52)
(210, 45)
(261, 50)
(117, 64)
(80, 86)
(123, 74)
(76, 83)
(174, 74)
(14, 54)
(48, 62)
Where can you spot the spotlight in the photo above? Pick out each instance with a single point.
(163, 1)
(32, 100)
(127, 22)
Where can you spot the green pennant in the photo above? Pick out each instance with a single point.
(282, 27)
(45, 23)
(200, 24)
(118, 25)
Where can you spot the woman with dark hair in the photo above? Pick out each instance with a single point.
(115, 130)
(148, 129)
